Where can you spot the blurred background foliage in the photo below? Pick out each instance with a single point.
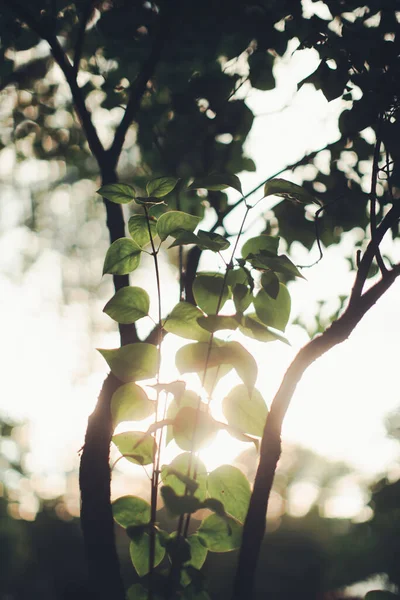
(193, 120)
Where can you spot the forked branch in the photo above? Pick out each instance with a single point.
(339, 331)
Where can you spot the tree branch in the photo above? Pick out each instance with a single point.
(254, 527)
(85, 16)
(64, 63)
(96, 514)
(147, 71)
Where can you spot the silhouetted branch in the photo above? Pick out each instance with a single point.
(139, 87)
(254, 527)
(85, 16)
(24, 14)
(96, 514)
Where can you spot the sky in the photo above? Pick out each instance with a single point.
(339, 407)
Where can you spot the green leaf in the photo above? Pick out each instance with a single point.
(279, 264)
(270, 283)
(174, 222)
(212, 241)
(128, 305)
(123, 257)
(171, 475)
(182, 321)
(139, 230)
(217, 322)
(242, 297)
(236, 276)
(129, 511)
(273, 313)
(243, 362)
(132, 362)
(130, 403)
(289, 191)
(217, 182)
(252, 327)
(207, 289)
(139, 550)
(161, 186)
(220, 534)
(192, 359)
(184, 238)
(136, 446)
(188, 398)
(179, 505)
(244, 412)
(194, 429)
(198, 552)
(204, 240)
(119, 193)
(229, 485)
(178, 549)
(261, 242)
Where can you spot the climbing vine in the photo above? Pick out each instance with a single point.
(261, 303)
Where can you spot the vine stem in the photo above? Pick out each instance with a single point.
(156, 459)
(229, 267)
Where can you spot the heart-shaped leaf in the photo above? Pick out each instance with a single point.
(123, 257)
(136, 446)
(119, 193)
(132, 362)
(139, 229)
(182, 321)
(194, 429)
(216, 182)
(210, 291)
(174, 222)
(229, 485)
(220, 534)
(274, 313)
(129, 511)
(128, 305)
(261, 242)
(130, 403)
(245, 412)
(175, 473)
(289, 191)
(139, 550)
(252, 327)
(161, 186)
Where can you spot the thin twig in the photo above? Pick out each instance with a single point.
(65, 65)
(373, 198)
(85, 16)
(229, 266)
(156, 460)
(139, 88)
